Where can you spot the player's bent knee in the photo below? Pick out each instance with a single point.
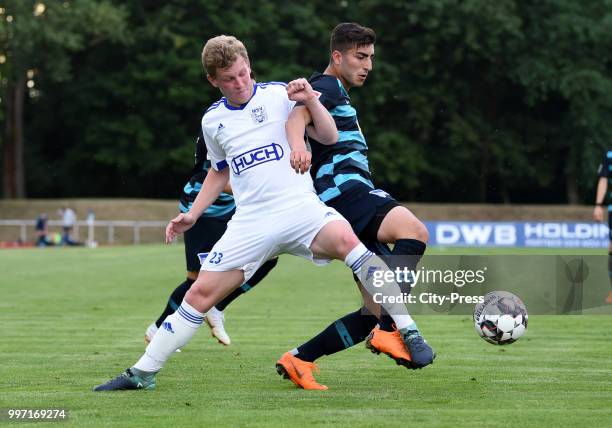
(400, 223)
(347, 241)
(198, 290)
(414, 229)
(335, 240)
(420, 231)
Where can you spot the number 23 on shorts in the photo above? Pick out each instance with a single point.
(215, 257)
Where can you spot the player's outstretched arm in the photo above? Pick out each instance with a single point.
(602, 187)
(214, 183)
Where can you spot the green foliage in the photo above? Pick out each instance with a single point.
(504, 101)
(40, 40)
(45, 41)
(507, 98)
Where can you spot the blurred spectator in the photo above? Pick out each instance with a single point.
(68, 221)
(42, 229)
(91, 222)
(91, 217)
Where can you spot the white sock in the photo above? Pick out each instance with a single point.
(360, 259)
(175, 332)
(356, 257)
(404, 321)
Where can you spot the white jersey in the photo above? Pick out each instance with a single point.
(251, 141)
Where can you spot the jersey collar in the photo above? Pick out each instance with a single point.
(241, 106)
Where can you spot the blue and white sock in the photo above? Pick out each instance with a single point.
(357, 257)
(175, 332)
(360, 259)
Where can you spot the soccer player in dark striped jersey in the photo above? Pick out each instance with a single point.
(343, 181)
(199, 240)
(605, 180)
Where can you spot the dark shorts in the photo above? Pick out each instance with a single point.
(201, 238)
(365, 209)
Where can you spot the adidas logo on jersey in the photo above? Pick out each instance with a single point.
(220, 127)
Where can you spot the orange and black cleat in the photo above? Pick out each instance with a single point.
(391, 344)
(298, 371)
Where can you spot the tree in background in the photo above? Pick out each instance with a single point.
(490, 101)
(39, 39)
(470, 101)
(145, 100)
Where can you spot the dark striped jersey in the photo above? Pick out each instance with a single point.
(338, 167)
(224, 206)
(605, 170)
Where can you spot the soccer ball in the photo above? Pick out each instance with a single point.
(501, 318)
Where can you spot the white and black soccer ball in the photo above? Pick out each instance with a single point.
(501, 318)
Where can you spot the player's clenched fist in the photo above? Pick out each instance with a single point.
(178, 225)
(300, 160)
(299, 90)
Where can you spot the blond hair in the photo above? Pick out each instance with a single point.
(221, 52)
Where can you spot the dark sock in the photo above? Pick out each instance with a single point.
(255, 279)
(403, 247)
(386, 323)
(610, 267)
(175, 300)
(409, 247)
(349, 330)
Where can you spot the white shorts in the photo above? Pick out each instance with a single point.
(253, 237)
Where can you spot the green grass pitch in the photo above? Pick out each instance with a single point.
(74, 318)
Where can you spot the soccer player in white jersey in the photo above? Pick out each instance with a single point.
(254, 136)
